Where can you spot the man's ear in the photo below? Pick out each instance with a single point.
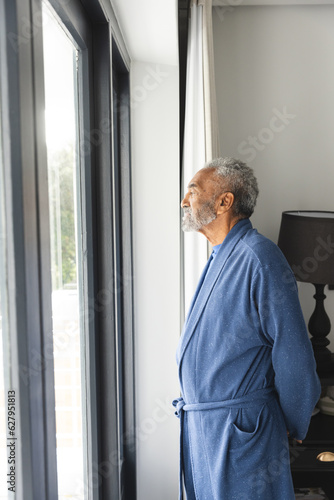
(225, 202)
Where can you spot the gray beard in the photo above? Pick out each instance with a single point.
(203, 217)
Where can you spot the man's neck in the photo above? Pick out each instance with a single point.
(217, 230)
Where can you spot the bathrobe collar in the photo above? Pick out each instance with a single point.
(210, 275)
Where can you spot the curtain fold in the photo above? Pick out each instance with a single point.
(212, 147)
(201, 135)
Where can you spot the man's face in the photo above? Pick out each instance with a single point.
(199, 203)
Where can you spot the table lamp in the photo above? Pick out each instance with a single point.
(306, 238)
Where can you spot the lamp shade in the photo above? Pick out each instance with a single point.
(306, 238)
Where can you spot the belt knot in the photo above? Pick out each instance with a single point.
(178, 403)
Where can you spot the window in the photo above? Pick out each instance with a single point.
(67, 238)
(61, 60)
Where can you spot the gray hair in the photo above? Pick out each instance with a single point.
(240, 180)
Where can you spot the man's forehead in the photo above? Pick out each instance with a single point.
(201, 178)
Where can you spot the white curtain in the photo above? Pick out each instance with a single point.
(201, 137)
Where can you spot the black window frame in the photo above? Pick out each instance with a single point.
(106, 188)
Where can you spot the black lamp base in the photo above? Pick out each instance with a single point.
(319, 327)
(327, 377)
(325, 363)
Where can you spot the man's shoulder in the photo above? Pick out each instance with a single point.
(262, 249)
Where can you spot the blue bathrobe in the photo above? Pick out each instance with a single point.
(247, 374)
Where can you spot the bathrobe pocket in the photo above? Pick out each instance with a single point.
(246, 426)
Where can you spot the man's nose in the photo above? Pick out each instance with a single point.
(184, 202)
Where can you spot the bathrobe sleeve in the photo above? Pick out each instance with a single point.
(282, 325)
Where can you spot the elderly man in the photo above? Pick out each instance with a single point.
(246, 364)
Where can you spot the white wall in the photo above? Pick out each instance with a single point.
(270, 59)
(155, 176)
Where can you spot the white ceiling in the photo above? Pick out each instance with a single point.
(149, 28)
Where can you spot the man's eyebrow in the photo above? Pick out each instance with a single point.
(192, 185)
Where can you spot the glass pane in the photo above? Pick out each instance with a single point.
(4, 345)
(61, 114)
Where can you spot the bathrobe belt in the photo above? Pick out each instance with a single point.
(249, 400)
